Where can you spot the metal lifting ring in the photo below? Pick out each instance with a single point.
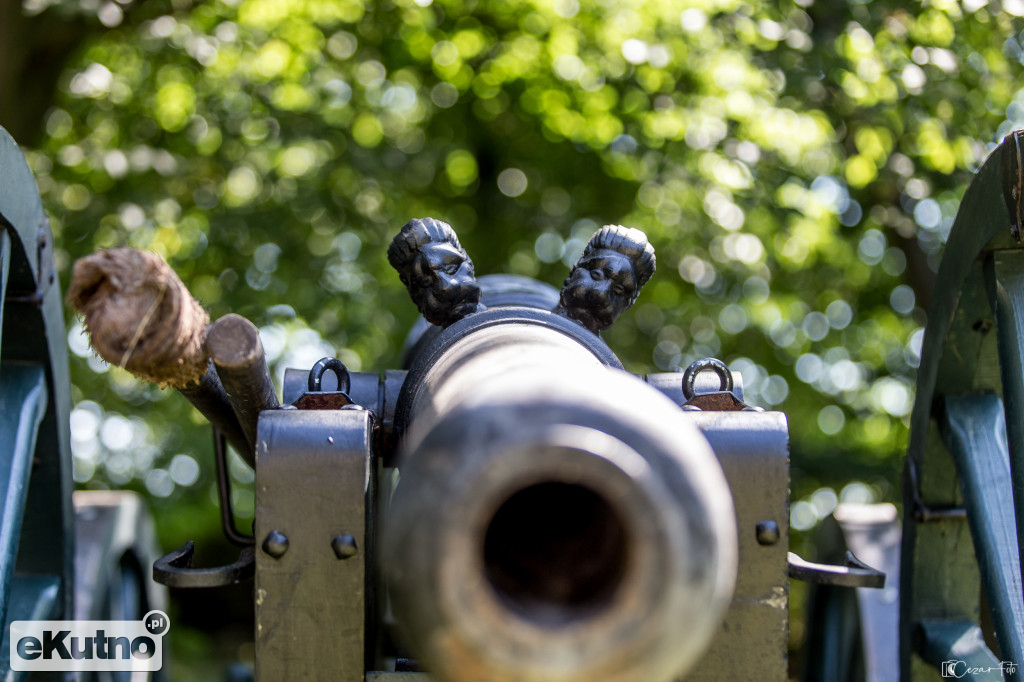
(704, 365)
(334, 365)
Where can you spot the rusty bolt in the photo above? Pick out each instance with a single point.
(275, 544)
(344, 546)
(768, 533)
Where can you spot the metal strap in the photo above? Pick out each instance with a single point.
(312, 478)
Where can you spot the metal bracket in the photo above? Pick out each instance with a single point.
(46, 275)
(922, 512)
(227, 515)
(1013, 183)
(174, 569)
(318, 399)
(722, 400)
(753, 449)
(855, 573)
(313, 477)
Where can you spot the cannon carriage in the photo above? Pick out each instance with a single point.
(512, 505)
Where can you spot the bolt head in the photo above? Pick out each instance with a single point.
(275, 544)
(768, 533)
(344, 546)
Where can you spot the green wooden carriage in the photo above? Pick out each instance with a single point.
(51, 539)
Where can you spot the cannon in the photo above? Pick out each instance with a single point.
(511, 504)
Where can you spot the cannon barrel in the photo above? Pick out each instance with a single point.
(556, 518)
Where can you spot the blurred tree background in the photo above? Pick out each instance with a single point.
(797, 165)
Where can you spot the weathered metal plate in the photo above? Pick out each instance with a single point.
(752, 643)
(323, 400)
(312, 478)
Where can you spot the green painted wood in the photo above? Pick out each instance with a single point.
(34, 597)
(1004, 275)
(5, 271)
(22, 405)
(20, 206)
(958, 650)
(939, 554)
(940, 573)
(33, 332)
(975, 431)
(981, 224)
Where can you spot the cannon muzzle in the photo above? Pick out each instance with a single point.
(556, 519)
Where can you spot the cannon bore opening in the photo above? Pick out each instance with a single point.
(556, 552)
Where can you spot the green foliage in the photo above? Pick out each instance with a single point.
(796, 165)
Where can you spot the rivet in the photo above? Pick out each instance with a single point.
(275, 544)
(768, 533)
(344, 546)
